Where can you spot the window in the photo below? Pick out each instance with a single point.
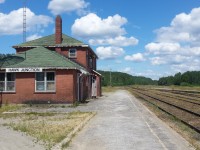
(7, 82)
(50, 81)
(10, 83)
(45, 81)
(90, 62)
(72, 53)
(2, 81)
(40, 81)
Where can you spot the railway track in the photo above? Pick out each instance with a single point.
(195, 94)
(191, 100)
(177, 93)
(186, 114)
(174, 96)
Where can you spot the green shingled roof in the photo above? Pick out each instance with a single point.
(39, 57)
(50, 41)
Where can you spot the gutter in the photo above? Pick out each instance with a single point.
(79, 81)
(97, 72)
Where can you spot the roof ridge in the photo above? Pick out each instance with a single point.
(72, 38)
(49, 40)
(37, 39)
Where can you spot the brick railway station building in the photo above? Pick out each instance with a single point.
(51, 69)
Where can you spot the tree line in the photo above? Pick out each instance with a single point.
(121, 79)
(4, 55)
(185, 79)
(189, 78)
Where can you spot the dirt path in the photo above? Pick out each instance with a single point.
(123, 123)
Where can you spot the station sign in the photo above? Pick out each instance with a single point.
(23, 69)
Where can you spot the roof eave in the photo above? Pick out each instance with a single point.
(60, 45)
(67, 68)
(25, 46)
(85, 45)
(97, 72)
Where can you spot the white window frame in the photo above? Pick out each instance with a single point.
(45, 82)
(72, 56)
(5, 82)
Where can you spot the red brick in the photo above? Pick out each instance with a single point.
(58, 34)
(25, 88)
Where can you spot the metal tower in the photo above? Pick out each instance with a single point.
(24, 21)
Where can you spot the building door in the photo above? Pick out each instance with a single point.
(94, 86)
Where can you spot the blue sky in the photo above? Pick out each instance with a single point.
(151, 38)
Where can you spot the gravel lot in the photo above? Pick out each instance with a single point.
(121, 123)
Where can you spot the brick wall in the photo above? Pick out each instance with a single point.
(25, 89)
(81, 55)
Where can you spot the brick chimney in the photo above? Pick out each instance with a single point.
(58, 32)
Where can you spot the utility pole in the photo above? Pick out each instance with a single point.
(110, 77)
(1, 85)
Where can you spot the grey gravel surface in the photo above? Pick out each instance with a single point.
(121, 123)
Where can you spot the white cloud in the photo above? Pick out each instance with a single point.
(2, 1)
(11, 24)
(117, 41)
(109, 52)
(108, 34)
(118, 61)
(194, 66)
(173, 60)
(135, 57)
(192, 51)
(178, 44)
(127, 70)
(33, 37)
(65, 6)
(157, 61)
(92, 26)
(183, 28)
(162, 48)
(179, 59)
(155, 75)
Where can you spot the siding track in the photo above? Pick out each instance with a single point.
(186, 110)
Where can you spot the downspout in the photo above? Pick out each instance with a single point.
(79, 77)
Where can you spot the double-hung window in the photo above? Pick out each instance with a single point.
(7, 82)
(72, 53)
(45, 82)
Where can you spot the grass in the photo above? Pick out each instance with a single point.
(75, 104)
(49, 128)
(6, 108)
(107, 89)
(65, 145)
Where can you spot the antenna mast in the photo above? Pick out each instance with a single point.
(24, 21)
